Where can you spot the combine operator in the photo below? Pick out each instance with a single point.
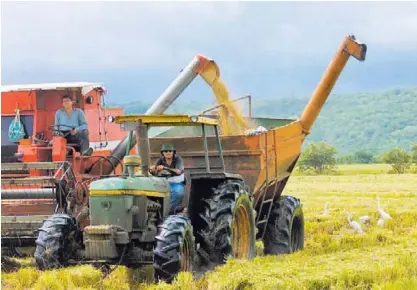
(73, 118)
(176, 164)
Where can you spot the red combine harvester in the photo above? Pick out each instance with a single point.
(42, 173)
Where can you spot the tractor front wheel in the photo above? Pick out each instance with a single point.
(175, 248)
(57, 242)
(285, 230)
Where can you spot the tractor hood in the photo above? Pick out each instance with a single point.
(124, 201)
(126, 185)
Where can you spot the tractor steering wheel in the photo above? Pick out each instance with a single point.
(52, 128)
(165, 173)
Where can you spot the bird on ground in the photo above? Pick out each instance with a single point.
(326, 209)
(354, 224)
(382, 212)
(365, 219)
(381, 223)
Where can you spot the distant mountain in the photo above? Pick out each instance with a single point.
(374, 122)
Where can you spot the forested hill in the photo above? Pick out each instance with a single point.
(374, 122)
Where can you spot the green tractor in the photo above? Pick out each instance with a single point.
(130, 219)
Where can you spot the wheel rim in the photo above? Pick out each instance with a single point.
(240, 234)
(185, 257)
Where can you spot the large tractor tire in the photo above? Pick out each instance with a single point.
(226, 225)
(285, 229)
(57, 242)
(175, 248)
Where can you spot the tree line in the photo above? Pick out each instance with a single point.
(321, 157)
(374, 122)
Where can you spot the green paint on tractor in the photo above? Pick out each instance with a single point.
(116, 200)
(154, 184)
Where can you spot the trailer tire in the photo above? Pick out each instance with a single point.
(175, 248)
(57, 241)
(285, 229)
(226, 225)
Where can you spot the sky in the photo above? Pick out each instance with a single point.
(266, 49)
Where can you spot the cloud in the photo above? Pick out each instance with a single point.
(164, 36)
(316, 28)
(107, 35)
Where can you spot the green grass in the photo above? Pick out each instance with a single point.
(355, 169)
(334, 256)
(347, 169)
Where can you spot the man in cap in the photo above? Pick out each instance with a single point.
(175, 163)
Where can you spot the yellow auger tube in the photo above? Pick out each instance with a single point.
(349, 47)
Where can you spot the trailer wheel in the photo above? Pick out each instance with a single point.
(285, 230)
(57, 241)
(226, 225)
(175, 248)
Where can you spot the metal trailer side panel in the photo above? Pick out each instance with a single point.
(262, 159)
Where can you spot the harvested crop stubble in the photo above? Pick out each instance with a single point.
(334, 256)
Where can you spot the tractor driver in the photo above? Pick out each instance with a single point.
(177, 182)
(75, 122)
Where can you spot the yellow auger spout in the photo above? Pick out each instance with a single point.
(210, 72)
(349, 47)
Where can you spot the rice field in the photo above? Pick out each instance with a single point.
(355, 169)
(335, 257)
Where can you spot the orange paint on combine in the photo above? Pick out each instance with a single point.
(37, 105)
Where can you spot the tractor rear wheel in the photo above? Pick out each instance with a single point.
(285, 230)
(175, 248)
(57, 241)
(226, 225)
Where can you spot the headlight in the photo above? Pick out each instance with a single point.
(111, 119)
(194, 118)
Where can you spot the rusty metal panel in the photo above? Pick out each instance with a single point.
(262, 159)
(239, 158)
(30, 165)
(27, 207)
